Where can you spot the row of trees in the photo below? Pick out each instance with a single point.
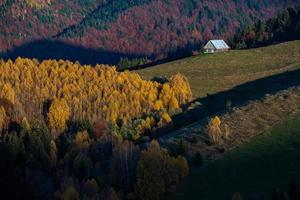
(127, 63)
(55, 92)
(284, 27)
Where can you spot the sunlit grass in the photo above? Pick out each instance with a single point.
(213, 73)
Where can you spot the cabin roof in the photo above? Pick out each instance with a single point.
(218, 44)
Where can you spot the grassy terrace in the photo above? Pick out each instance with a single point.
(218, 72)
(268, 161)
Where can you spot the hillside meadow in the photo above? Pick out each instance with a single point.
(268, 161)
(212, 73)
(242, 124)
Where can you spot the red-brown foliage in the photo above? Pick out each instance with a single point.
(153, 29)
(100, 128)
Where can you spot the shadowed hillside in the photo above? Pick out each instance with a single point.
(47, 49)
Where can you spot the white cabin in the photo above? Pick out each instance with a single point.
(214, 46)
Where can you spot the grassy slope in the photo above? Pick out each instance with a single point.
(218, 72)
(268, 161)
(243, 122)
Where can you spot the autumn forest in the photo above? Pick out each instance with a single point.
(155, 29)
(67, 111)
(117, 100)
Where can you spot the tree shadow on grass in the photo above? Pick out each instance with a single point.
(237, 96)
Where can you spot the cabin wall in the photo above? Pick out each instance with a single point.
(215, 50)
(221, 50)
(210, 50)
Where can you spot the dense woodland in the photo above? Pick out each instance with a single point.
(284, 27)
(24, 21)
(68, 132)
(154, 29)
(60, 91)
(82, 166)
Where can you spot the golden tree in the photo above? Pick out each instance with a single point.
(165, 120)
(181, 87)
(2, 118)
(7, 92)
(173, 105)
(58, 116)
(214, 130)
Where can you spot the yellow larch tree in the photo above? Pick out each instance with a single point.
(2, 118)
(58, 116)
(7, 92)
(93, 93)
(181, 87)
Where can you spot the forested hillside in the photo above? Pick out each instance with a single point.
(68, 131)
(27, 20)
(284, 27)
(148, 28)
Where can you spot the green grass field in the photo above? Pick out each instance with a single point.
(268, 161)
(211, 73)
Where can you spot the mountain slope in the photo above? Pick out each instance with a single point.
(153, 28)
(215, 73)
(28, 20)
(159, 28)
